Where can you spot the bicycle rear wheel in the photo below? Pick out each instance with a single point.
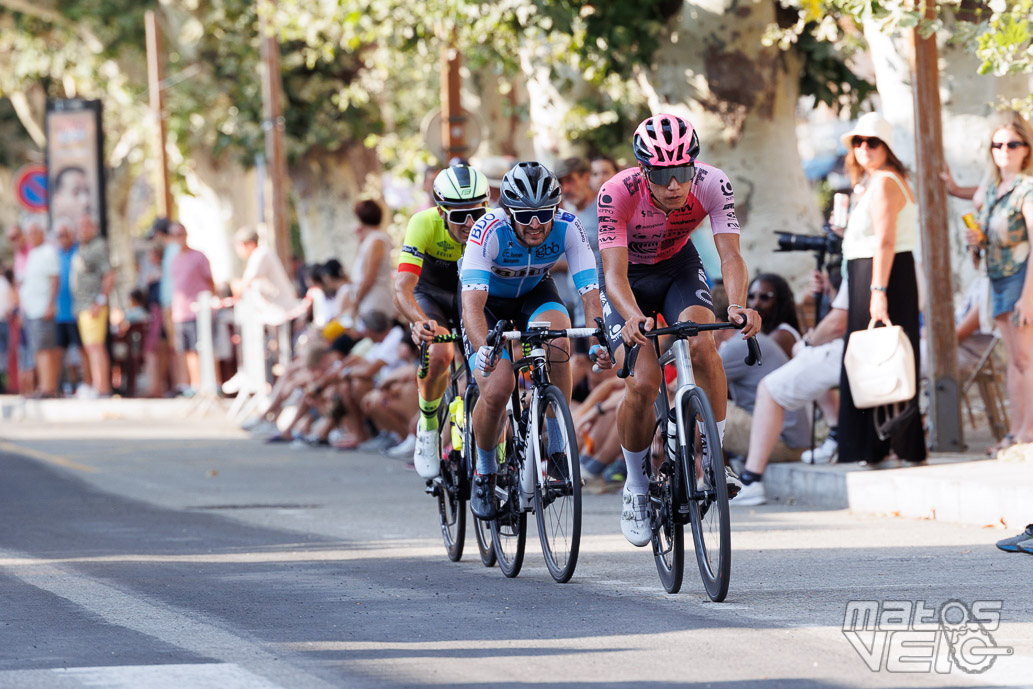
(509, 528)
(557, 505)
(481, 529)
(451, 504)
(704, 469)
(668, 529)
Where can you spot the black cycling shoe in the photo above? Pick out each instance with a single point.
(482, 497)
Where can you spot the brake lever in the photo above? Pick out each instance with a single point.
(753, 355)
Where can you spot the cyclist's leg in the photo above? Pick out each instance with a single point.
(489, 415)
(432, 387)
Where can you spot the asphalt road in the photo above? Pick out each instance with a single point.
(191, 555)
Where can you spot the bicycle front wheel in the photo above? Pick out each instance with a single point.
(557, 494)
(707, 491)
(451, 504)
(509, 528)
(668, 529)
(481, 529)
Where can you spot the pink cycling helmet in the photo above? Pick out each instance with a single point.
(665, 140)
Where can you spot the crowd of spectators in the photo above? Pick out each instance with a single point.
(350, 383)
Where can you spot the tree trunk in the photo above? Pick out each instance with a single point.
(741, 97)
(325, 187)
(223, 198)
(501, 104)
(552, 91)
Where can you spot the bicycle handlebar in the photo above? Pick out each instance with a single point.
(498, 336)
(425, 351)
(688, 329)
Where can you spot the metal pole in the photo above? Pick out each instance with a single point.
(155, 76)
(453, 119)
(272, 124)
(945, 428)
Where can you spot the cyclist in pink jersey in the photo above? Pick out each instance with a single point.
(650, 267)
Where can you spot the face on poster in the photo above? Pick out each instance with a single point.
(73, 165)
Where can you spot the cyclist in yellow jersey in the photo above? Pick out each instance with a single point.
(426, 290)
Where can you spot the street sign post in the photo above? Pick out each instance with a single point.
(30, 188)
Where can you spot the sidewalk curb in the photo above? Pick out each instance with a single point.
(14, 408)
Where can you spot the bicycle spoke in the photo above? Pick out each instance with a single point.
(558, 494)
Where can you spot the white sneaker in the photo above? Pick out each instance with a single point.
(752, 494)
(381, 441)
(403, 449)
(427, 457)
(826, 453)
(635, 519)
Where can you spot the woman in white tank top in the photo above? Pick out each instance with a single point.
(877, 246)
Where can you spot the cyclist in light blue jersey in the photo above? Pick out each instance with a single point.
(505, 276)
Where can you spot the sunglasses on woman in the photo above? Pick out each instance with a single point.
(459, 217)
(542, 215)
(1012, 145)
(761, 296)
(662, 175)
(871, 141)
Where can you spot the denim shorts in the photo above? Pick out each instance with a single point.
(1004, 292)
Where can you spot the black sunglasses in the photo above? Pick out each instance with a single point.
(662, 175)
(872, 142)
(761, 296)
(459, 217)
(1012, 145)
(542, 215)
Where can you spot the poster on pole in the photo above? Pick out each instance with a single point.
(75, 154)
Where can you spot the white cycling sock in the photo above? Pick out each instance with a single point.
(721, 431)
(636, 481)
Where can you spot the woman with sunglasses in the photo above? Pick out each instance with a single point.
(1004, 205)
(771, 297)
(426, 287)
(880, 237)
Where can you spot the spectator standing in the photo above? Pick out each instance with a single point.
(265, 274)
(191, 275)
(92, 279)
(880, 237)
(372, 289)
(602, 169)
(64, 322)
(1004, 201)
(7, 306)
(170, 249)
(25, 368)
(38, 298)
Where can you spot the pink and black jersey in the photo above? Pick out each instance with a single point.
(628, 218)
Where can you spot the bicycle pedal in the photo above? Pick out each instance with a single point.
(433, 487)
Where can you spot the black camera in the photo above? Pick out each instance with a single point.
(830, 244)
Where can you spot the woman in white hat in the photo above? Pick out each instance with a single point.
(877, 246)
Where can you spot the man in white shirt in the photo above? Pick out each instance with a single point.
(266, 277)
(38, 298)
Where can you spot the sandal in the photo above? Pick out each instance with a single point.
(1007, 441)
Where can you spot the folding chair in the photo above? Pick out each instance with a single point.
(987, 374)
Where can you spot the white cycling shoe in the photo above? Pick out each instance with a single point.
(635, 518)
(427, 457)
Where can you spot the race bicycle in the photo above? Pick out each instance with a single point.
(687, 482)
(540, 469)
(451, 486)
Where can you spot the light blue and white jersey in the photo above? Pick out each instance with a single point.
(496, 261)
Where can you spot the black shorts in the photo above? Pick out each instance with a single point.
(666, 288)
(68, 335)
(519, 311)
(439, 304)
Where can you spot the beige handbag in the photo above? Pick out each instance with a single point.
(880, 365)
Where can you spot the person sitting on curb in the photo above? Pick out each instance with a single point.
(808, 377)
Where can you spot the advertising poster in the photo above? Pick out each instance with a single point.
(75, 145)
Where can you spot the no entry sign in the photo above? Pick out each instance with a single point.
(30, 186)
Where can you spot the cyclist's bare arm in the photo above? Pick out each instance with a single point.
(736, 278)
(593, 310)
(405, 283)
(618, 292)
(473, 317)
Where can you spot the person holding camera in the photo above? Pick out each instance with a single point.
(880, 236)
(1004, 205)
